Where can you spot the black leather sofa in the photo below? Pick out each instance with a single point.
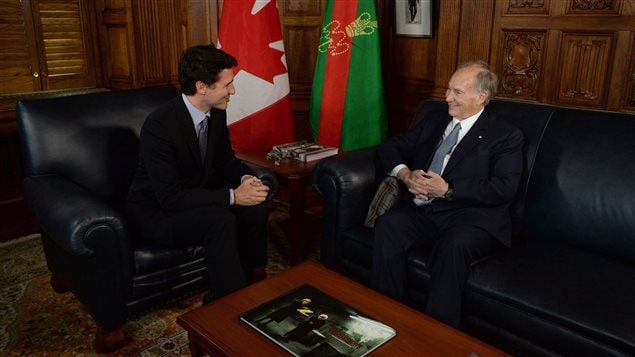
(567, 284)
(80, 153)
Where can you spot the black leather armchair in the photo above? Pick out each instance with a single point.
(80, 153)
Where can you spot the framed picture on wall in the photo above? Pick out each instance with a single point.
(413, 18)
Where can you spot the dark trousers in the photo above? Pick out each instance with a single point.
(454, 248)
(234, 240)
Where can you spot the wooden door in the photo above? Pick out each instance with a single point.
(46, 45)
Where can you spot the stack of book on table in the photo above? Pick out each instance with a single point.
(302, 150)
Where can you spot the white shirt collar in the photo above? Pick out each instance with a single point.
(197, 115)
(466, 125)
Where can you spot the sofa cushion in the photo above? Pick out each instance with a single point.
(557, 295)
(581, 188)
(150, 258)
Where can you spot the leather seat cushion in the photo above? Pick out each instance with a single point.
(554, 288)
(158, 268)
(150, 258)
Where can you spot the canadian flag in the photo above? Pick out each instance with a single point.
(259, 115)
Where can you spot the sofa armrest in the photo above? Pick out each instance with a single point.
(268, 178)
(69, 215)
(347, 183)
(86, 243)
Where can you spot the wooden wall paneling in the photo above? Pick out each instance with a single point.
(175, 40)
(548, 82)
(620, 78)
(19, 70)
(117, 44)
(409, 70)
(630, 97)
(518, 53)
(47, 44)
(447, 44)
(144, 39)
(520, 64)
(583, 70)
(594, 7)
(527, 7)
(66, 46)
(475, 30)
(301, 47)
(151, 36)
(202, 22)
(301, 23)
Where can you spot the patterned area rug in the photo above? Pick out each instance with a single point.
(36, 321)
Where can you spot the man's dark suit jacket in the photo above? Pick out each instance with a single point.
(170, 176)
(484, 170)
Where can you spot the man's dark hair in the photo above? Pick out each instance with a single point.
(202, 63)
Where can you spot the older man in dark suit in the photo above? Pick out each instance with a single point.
(189, 188)
(462, 170)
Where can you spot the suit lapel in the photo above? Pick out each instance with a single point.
(476, 135)
(212, 132)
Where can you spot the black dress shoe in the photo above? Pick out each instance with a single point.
(208, 297)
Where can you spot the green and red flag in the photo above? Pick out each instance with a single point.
(347, 101)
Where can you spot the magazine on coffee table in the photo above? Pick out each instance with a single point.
(308, 322)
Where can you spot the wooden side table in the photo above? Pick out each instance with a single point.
(296, 175)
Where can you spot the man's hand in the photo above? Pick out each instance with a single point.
(424, 185)
(435, 185)
(250, 192)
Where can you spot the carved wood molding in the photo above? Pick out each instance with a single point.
(521, 64)
(584, 68)
(594, 7)
(529, 7)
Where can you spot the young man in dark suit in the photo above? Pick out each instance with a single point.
(461, 181)
(189, 188)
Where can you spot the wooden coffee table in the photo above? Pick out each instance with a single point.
(296, 175)
(216, 329)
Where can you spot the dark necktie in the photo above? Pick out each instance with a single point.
(437, 161)
(444, 149)
(202, 137)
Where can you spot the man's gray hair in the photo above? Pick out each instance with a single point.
(486, 80)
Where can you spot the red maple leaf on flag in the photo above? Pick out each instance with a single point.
(249, 38)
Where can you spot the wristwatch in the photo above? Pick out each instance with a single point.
(449, 194)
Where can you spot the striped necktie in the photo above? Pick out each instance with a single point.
(445, 148)
(202, 137)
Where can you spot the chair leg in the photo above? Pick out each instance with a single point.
(109, 341)
(57, 285)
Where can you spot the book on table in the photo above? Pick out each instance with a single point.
(308, 322)
(314, 152)
(302, 151)
(289, 147)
